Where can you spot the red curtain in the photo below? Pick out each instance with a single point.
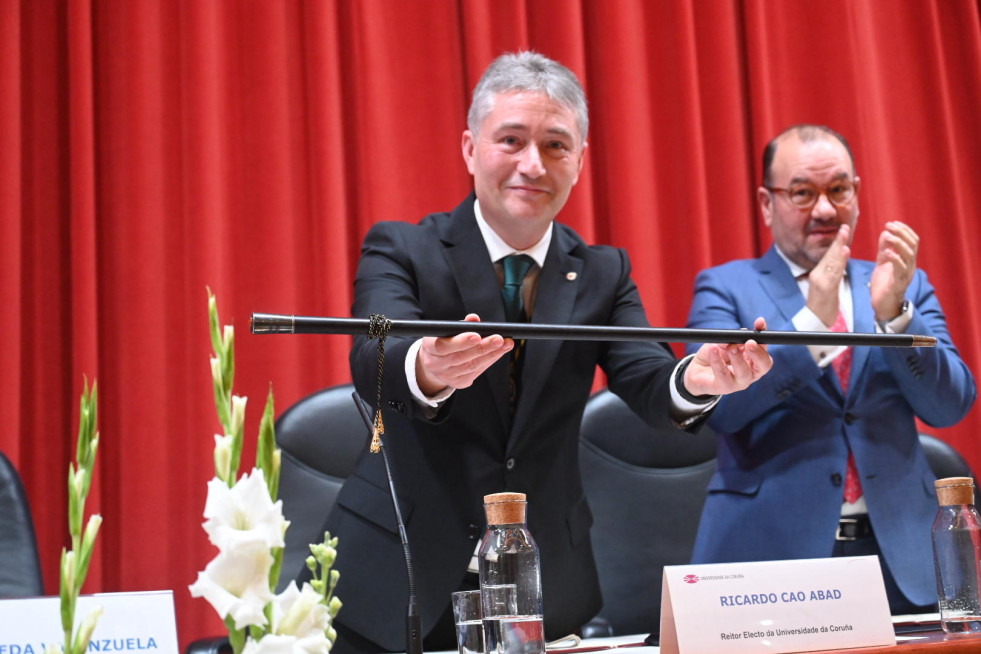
(149, 150)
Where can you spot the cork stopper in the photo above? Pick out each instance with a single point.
(954, 490)
(505, 508)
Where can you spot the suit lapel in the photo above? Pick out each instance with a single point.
(555, 300)
(862, 315)
(779, 284)
(477, 285)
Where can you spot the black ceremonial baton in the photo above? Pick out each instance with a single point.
(269, 323)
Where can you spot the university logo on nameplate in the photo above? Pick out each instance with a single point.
(774, 606)
(140, 623)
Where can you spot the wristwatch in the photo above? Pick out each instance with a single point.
(903, 308)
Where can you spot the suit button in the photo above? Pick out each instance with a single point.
(509, 465)
(473, 531)
(836, 479)
(398, 406)
(850, 418)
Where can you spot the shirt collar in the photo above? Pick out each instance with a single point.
(499, 249)
(797, 271)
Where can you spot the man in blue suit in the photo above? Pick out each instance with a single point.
(821, 457)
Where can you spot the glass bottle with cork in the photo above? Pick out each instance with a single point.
(510, 579)
(957, 556)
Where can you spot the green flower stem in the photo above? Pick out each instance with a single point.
(75, 563)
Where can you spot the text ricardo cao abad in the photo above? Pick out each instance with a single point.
(785, 597)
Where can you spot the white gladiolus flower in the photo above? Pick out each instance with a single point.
(248, 528)
(300, 613)
(273, 644)
(243, 514)
(236, 583)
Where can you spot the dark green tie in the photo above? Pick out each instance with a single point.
(516, 266)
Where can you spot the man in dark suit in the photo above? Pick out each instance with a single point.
(453, 430)
(822, 457)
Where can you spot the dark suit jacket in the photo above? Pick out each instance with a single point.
(440, 269)
(783, 442)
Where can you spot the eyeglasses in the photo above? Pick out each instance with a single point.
(805, 195)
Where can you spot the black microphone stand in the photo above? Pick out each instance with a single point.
(413, 621)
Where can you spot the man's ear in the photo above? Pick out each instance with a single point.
(467, 146)
(765, 200)
(582, 158)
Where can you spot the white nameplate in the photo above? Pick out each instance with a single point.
(134, 623)
(774, 606)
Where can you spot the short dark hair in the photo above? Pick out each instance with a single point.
(805, 132)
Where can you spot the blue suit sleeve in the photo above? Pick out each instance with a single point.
(934, 380)
(716, 305)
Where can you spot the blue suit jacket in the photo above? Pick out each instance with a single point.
(783, 442)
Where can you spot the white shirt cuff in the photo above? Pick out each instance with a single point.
(807, 321)
(410, 377)
(899, 324)
(682, 408)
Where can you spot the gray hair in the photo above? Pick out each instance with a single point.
(528, 71)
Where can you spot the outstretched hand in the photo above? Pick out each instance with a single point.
(720, 369)
(456, 361)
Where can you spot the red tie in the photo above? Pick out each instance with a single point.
(842, 365)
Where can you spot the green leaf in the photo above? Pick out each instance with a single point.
(84, 422)
(236, 637)
(277, 566)
(66, 612)
(222, 400)
(267, 445)
(228, 362)
(213, 322)
(76, 504)
(89, 466)
(85, 630)
(85, 551)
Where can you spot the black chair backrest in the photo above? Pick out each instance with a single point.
(20, 567)
(944, 460)
(646, 490)
(321, 438)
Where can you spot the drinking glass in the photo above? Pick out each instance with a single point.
(469, 624)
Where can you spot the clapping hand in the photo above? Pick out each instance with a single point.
(895, 264)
